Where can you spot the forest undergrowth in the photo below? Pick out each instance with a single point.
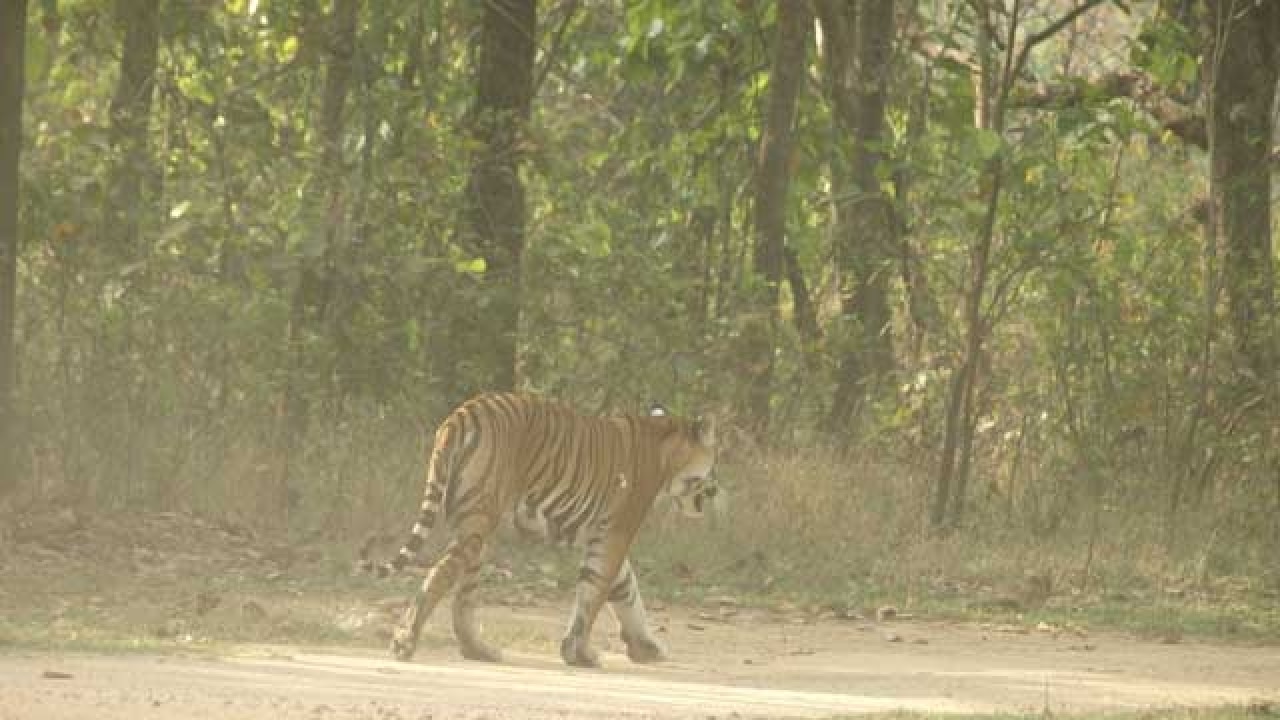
(815, 532)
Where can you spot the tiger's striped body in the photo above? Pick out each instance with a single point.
(570, 478)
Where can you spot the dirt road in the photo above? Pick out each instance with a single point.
(751, 668)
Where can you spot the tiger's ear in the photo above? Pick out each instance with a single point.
(704, 429)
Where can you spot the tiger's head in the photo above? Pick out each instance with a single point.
(691, 453)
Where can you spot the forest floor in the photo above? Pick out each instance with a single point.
(171, 616)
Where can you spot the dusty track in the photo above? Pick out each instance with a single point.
(750, 667)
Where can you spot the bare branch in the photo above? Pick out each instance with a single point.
(549, 55)
(1053, 29)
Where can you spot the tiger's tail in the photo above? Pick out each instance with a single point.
(439, 470)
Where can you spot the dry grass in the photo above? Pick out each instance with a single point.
(821, 529)
(818, 529)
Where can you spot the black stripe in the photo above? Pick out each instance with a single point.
(456, 497)
(434, 494)
(459, 504)
(556, 475)
(624, 589)
(587, 575)
(542, 453)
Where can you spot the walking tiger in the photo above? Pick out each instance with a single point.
(570, 478)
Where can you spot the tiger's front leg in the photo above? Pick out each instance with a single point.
(628, 608)
(605, 555)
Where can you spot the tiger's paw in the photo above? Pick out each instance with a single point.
(644, 650)
(575, 652)
(481, 652)
(402, 645)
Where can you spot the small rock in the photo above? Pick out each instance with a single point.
(252, 610)
(886, 612)
(55, 675)
(206, 601)
(892, 637)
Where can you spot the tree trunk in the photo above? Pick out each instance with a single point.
(859, 44)
(997, 73)
(921, 307)
(494, 221)
(13, 23)
(312, 297)
(953, 467)
(772, 179)
(134, 178)
(806, 317)
(1244, 45)
(696, 253)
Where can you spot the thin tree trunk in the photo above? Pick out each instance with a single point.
(772, 180)
(993, 83)
(859, 44)
(696, 256)
(1243, 53)
(950, 487)
(806, 317)
(134, 177)
(921, 307)
(311, 298)
(13, 23)
(494, 222)
(1182, 470)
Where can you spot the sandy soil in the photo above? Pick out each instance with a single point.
(752, 666)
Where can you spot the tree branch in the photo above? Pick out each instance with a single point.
(1181, 120)
(1053, 29)
(549, 56)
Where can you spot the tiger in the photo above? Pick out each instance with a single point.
(572, 479)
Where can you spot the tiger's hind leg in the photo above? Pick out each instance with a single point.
(628, 608)
(461, 554)
(465, 629)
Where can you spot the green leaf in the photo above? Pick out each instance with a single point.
(987, 142)
(412, 334)
(288, 49)
(474, 266)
